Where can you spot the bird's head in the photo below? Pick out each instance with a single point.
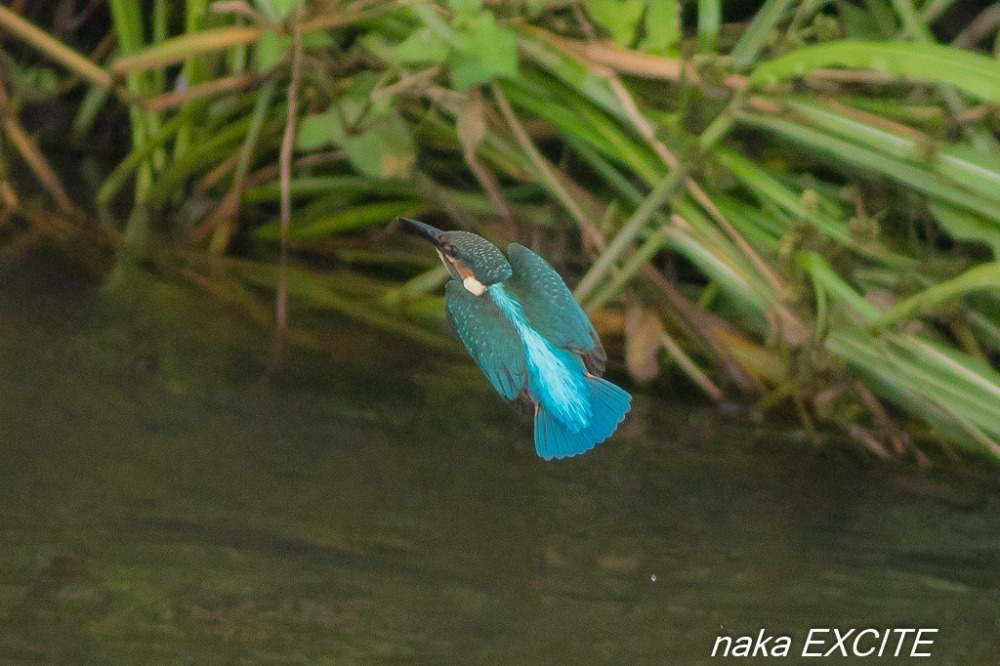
(470, 258)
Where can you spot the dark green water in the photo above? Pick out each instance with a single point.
(161, 502)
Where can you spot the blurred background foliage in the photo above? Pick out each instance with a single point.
(791, 206)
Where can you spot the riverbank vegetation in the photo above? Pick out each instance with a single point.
(794, 208)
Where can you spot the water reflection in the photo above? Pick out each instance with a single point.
(160, 503)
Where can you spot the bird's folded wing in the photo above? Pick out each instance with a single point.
(551, 309)
(490, 338)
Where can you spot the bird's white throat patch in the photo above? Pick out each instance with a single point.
(473, 285)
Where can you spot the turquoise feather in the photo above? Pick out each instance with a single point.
(530, 338)
(555, 376)
(530, 351)
(551, 308)
(491, 340)
(608, 405)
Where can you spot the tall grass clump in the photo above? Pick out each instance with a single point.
(797, 209)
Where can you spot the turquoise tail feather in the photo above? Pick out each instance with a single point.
(608, 406)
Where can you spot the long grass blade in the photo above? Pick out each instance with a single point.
(968, 71)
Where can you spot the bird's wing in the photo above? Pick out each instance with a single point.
(491, 340)
(551, 309)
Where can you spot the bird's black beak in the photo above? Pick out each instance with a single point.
(425, 231)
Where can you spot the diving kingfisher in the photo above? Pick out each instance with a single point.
(530, 338)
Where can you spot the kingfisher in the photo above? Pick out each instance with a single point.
(531, 339)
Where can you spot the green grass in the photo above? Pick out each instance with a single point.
(807, 214)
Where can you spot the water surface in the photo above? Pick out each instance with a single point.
(166, 498)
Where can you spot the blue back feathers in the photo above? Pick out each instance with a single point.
(551, 309)
(533, 341)
(491, 340)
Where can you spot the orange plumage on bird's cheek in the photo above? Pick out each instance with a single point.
(469, 281)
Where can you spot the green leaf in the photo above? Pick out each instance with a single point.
(575, 74)
(976, 74)
(964, 225)
(357, 103)
(709, 22)
(619, 17)
(758, 33)
(979, 278)
(958, 163)
(42, 78)
(387, 150)
(868, 158)
(276, 10)
(270, 48)
(422, 46)
(858, 23)
(317, 131)
(957, 394)
(318, 39)
(663, 27)
(536, 7)
(350, 219)
(345, 188)
(465, 8)
(770, 189)
(355, 109)
(484, 52)
(826, 279)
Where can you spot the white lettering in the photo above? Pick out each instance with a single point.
(743, 645)
(902, 639)
(817, 642)
(760, 645)
(857, 638)
(918, 641)
(751, 646)
(885, 639)
(832, 641)
(727, 641)
(840, 642)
